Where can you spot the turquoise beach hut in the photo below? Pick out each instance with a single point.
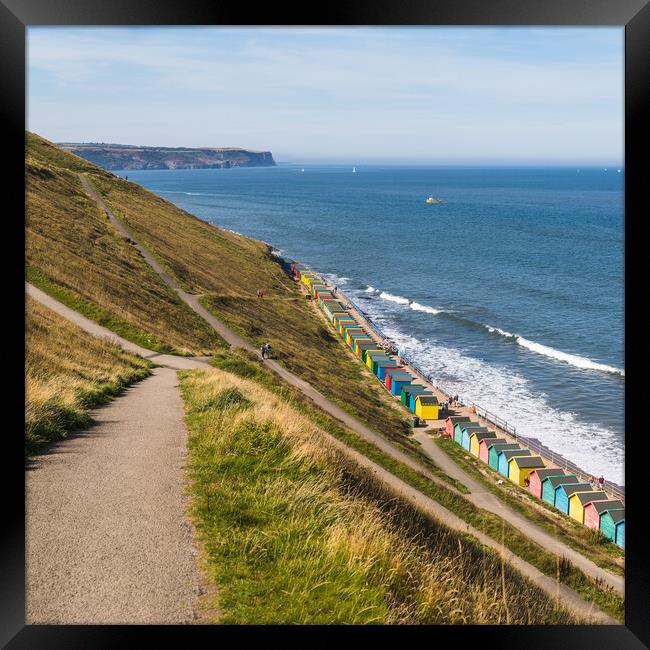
(383, 366)
(493, 452)
(612, 525)
(458, 430)
(565, 490)
(505, 455)
(550, 483)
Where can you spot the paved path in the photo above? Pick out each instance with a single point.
(237, 341)
(107, 538)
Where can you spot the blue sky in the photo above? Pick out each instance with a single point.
(436, 95)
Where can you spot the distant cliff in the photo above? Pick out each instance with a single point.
(125, 156)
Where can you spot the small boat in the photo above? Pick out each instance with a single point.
(354, 170)
(303, 169)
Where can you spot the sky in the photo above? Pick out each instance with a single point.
(424, 95)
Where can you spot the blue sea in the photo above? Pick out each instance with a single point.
(510, 292)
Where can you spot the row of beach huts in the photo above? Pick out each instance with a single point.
(579, 500)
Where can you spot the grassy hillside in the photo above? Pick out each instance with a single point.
(293, 532)
(67, 372)
(74, 254)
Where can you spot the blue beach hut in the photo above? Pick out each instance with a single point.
(565, 490)
(506, 454)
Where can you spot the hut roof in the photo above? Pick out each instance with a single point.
(548, 471)
(617, 515)
(509, 453)
(470, 425)
(572, 488)
(559, 480)
(610, 504)
(470, 430)
(587, 497)
(482, 435)
(388, 363)
(527, 461)
(493, 441)
(458, 418)
(498, 446)
(427, 399)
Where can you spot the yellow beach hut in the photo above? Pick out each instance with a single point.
(427, 407)
(520, 467)
(578, 501)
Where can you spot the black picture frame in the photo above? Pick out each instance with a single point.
(17, 15)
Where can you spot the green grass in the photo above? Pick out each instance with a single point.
(68, 372)
(582, 539)
(293, 532)
(592, 590)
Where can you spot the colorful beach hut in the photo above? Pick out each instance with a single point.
(458, 429)
(520, 467)
(484, 448)
(374, 366)
(551, 482)
(467, 432)
(563, 494)
(451, 421)
(372, 355)
(389, 376)
(579, 500)
(414, 395)
(415, 389)
(475, 438)
(427, 407)
(504, 459)
(595, 509)
(383, 366)
(493, 452)
(538, 475)
(612, 525)
(399, 380)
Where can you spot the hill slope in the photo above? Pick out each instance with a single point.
(71, 249)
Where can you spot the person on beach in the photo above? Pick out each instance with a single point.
(334, 292)
(601, 482)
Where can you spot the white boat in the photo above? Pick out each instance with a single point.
(354, 170)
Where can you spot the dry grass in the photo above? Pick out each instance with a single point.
(74, 254)
(67, 372)
(294, 532)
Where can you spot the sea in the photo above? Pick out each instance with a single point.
(509, 292)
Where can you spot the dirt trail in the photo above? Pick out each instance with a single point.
(107, 538)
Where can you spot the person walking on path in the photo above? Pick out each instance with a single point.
(263, 351)
(601, 482)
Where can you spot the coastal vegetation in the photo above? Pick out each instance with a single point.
(294, 532)
(67, 372)
(75, 255)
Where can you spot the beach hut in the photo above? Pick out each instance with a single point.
(538, 475)
(427, 407)
(363, 353)
(467, 432)
(389, 376)
(493, 452)
(612, 525)
(352, 330)
(342, 323)
(405, 395)
(475, 438)
(383, 366)
(504, 457)
(399, 380)
(371, 355)
(579, 500)
(549, 484)
(484, 449)
(458, 429)
(595, 509)
(451, 421)
(374, 366)
(564, 491)
(520, 467)
(413, 398)
(363, 341)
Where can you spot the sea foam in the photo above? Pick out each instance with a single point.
(398, 299)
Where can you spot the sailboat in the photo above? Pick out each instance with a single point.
(354, 170)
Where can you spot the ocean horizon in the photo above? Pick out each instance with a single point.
(509, 292)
